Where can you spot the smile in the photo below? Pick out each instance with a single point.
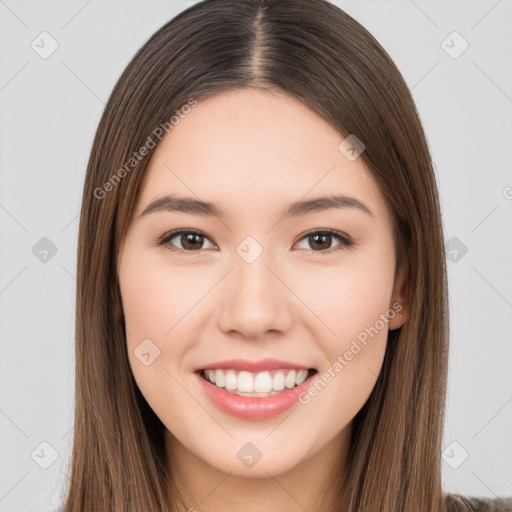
(254, 395)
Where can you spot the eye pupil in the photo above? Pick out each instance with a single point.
(315, 238)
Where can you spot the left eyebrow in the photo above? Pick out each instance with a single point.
(172, 203)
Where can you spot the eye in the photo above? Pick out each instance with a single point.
(323, 239)
(192, 240)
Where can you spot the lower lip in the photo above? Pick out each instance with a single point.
(254, 408)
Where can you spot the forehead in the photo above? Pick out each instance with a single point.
(253, 150)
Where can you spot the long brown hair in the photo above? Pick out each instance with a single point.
(315, 52)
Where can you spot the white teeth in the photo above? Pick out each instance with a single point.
(231, 380)
(278, 381)
(301, 377)
(256, 384)
(218, 376)
(245, 382)
(262, 383)
(289, 382)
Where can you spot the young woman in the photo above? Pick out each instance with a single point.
(262, 315)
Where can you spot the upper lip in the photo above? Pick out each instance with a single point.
(253, 366)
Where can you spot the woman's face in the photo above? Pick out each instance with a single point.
(256, 283)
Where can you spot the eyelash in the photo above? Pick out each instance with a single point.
(345, 242)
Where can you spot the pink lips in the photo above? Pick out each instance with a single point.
(253, 408)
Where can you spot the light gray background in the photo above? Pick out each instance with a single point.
(50, 109)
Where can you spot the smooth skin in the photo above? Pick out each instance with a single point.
(252, 153)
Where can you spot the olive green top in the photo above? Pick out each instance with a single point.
(479, 504)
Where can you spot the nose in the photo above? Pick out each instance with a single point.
(255, 300)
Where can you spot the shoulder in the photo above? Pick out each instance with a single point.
(480, 504)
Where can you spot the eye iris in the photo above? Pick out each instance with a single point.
(315, 238)
(188, 239)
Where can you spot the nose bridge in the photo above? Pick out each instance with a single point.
(255, 297)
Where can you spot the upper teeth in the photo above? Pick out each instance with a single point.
(262, 382)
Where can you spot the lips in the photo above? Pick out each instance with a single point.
(253, 408)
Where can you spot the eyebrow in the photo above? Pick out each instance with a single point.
(173, 203)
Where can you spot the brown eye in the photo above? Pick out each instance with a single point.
(320, 241)
(191, 241)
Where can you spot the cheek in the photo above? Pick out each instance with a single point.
(155, 295)
(162, 302)
(157, 301)
(350, 300)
